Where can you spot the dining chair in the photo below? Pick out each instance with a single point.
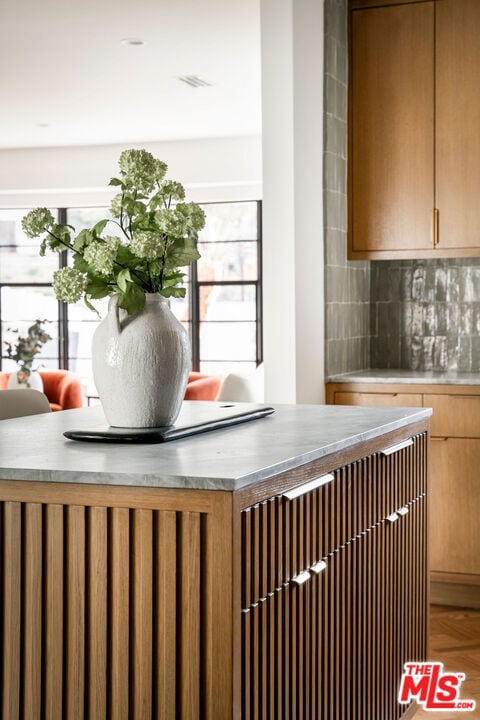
(24, 401)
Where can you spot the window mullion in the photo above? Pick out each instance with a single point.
(195, 316)
(62, 306)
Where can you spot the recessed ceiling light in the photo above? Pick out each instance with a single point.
(43, 125)
(194, 81)
(132, 41)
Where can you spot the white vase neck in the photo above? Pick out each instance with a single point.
(155, 298)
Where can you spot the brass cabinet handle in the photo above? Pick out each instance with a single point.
(398, 446)
(306, 487)
(435, 214)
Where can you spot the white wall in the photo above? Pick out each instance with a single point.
(211, 169)
(292, 106)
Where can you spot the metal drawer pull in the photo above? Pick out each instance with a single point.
(301, 578)
(393, 517)
(318, 567)
(306, 487)
(403, 510)
(395, 448)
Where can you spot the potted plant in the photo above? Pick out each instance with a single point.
(23, 352)
(141, 353)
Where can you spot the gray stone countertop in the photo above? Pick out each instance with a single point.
(414, 377)
(33, 448)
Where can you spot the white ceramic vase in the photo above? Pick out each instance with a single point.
(34, 381)
(141, 364)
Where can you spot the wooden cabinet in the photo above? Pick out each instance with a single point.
(414, 150)
(391, 129)
(378, 399)
(454, 479)
(333, 580)
(457, 119)
(299, 597)
(115, 602)
(454, 546)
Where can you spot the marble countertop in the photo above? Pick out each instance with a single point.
(414, 377)
(33, 448)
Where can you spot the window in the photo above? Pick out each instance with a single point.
(25, 289)
(221, 311)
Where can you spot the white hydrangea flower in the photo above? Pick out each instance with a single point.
(69, 284)
(148, 245)
(101, 254)
(160, 170)
(192, 215)
(174, 189)
(169, 222)
(139, 169)
(116, 205)
(36, 222)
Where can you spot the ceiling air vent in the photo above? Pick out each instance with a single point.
(194, 81)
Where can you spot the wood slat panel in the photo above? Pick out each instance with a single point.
(277, 546)
(119, 604)
(32, 617)
(75, 612)
(166, 616)
(189, 670)
(344, 635)
(97, 612)
(117, 613)
(12, 602)
(142, 618)
(54, 611)
(219, 652)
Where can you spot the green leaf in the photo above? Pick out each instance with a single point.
(133, 300)
(126, 257)
(173, 279)
(115, 181)
(182, 252)
(178, 292)
(90, 306)
(97, 287)
(139, 208)
(122, 278)
(82, 239)
(100, 227)
(80, 264)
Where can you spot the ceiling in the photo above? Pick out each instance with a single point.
(66, 79)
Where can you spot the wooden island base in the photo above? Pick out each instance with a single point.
(298, 597)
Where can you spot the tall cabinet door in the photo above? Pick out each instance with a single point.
(455, 499)
(391, 182)
(457, 123)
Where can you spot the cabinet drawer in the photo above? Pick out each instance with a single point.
(283, 536)
(454, 415)
(378, 399)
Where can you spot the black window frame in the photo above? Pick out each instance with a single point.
(194, 297)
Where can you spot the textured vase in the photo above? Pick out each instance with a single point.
(34, 381)
(141, 364)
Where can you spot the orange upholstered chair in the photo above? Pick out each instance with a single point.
(202, 387)
(63, 388)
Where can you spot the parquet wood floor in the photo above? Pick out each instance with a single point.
(455, 641)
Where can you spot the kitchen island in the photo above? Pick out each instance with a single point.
(275, 569)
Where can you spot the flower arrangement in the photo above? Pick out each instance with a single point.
(26, 348)
(157, 230)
